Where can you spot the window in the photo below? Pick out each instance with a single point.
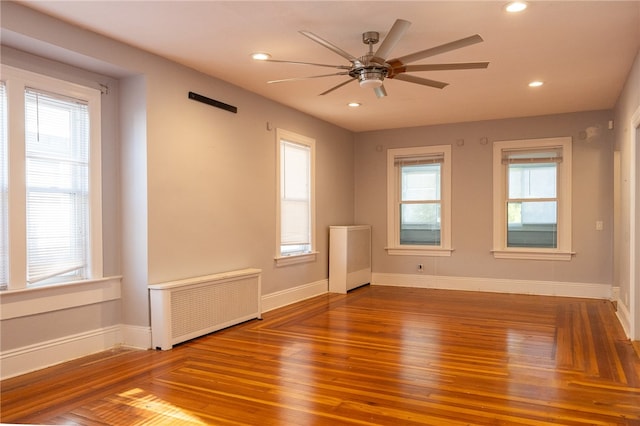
(296, 188)
(419, 199)
(53, 181)
(532, 199)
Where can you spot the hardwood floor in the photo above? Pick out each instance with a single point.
(379, 355)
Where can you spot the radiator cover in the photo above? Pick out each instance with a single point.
(185, 309)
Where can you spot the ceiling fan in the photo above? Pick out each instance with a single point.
(372, 68)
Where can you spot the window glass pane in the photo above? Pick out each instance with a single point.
(420, 224)
(420, 182)
(532, 224)
(537, 180)
(57, 151)
(295, 202)
(4, 200)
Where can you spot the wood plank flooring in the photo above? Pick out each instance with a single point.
(378, 355)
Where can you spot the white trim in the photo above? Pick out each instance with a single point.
(634, 281)
(500, 249)
(37, 300)
(296, 258)
(286, 297)
(495, 285)
(615, 294)
(282, 134)
(34, 357)
(624, 316)
(393, 220)
(135, 336)
(16, 81)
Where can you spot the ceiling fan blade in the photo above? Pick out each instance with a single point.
(284, 80)
(420, 80)
(338, 86)
(380, 92)
(442, 67)
(329, 45)
(340, 67)
(443, 48)
(391, 40)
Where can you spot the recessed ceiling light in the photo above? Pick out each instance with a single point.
(536, 83)
(515, 6)
(260, 56)
(354, 104)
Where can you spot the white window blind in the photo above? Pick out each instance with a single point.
(57, 181)
(4, 200)
(295, 194)
(527, 156)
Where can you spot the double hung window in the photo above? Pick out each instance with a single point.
(296, 212)
(419, 194)
(532, 198)
(52, 182)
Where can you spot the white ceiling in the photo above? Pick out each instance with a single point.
(582, 50)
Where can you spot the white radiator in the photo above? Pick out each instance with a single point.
(349, 257)
(189, 308)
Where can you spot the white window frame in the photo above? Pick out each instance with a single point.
(286, 135)
(563, 180)
(17, 80)
(4, 229)
(393, 199)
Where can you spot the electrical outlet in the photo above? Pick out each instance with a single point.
(419, 267)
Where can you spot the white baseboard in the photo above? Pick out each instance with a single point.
(624, 316)
(291, 295)
(34, 357)
(495, 285)
(134, 336)
(615, 293)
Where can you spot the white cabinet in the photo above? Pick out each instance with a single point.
(349, 257)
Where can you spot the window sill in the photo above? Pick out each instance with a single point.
(296, 258)
(533, 254)
(37, 300)
(419, 251)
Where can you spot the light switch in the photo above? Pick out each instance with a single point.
(599, 225)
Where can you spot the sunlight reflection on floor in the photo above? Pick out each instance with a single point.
(158, 411)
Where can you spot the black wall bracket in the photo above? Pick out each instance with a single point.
(213, 102)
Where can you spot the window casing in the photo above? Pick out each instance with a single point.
(4, 201)
(419, 201)
(53, 181)
(532, 199)
(296, 198)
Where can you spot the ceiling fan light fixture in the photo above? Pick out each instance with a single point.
(370, 79)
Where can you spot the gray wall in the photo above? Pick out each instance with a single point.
(472, 202)
(189, 189)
